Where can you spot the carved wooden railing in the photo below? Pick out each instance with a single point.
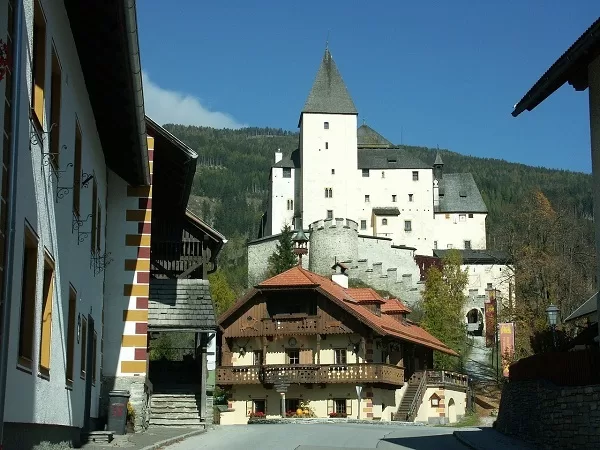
(439, 377)
(312, 373)
(418, 398)
(292, 325)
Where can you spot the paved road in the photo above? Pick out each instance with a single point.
(478, 364)
(323, 437)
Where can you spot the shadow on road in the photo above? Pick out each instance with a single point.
(441, 441)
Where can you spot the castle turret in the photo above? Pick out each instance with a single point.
(438, 168)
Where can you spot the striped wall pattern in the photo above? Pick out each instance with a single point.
(135, 314)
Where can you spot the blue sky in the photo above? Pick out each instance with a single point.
(428, 73)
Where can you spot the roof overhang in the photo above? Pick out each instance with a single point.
(589, 307)
(105, 34)
(571, 67)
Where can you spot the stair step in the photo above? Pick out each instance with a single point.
(175, 415)
(176, 422)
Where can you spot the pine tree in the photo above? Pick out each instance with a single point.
(442, 303)
(220, 290)
(284, 257)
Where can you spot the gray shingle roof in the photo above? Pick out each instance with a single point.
(478, 256)
(386, 211)
(388, 158)
(293, 161)
(368, 137)
(329, 94)
(180, 304)
(459, 193)
(438, 160)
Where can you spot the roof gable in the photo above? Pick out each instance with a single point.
(291, 278)
(329, 94)
(459, 193)
(369, 138)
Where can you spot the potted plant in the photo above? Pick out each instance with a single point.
(258, 415)
(336, 415)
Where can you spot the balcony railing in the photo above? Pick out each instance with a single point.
(312, 373)
(435, 377)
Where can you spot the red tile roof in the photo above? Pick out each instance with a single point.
(347, 299)
(394, 305)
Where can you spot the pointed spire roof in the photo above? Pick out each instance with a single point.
(369, 138)
(438, 160)
(329, 94)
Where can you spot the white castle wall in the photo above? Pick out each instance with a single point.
(456, 228)
(282, 190)
(332, 240)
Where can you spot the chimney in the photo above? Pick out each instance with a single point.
(341, 279)
(436, 194)
(278, 156)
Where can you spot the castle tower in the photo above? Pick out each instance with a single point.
(328, 146)
(332, 241)
(438, 168)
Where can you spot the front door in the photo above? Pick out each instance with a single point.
(89, 366)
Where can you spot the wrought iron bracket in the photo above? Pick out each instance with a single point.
(77, 225)
(49, 160)
(99, 261)
(37, 135)
(86, 178)
(62, 191)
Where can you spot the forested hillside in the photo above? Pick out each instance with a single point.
(230, 191)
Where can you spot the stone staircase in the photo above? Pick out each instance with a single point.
(414, 393)
(176, 409)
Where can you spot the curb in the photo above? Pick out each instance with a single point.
(459, 436)
(334, 421)
(173, 440)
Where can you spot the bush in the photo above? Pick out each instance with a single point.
(334, 414)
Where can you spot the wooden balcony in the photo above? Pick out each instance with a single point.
(444, 377)
(371, 373)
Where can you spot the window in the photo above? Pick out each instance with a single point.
(447, 216)
(257, 356)
(71, 334)
(473, 292)
(99, 227)
(287, 172)
(39, 63)
(293, 356)
(365, 173)
(56, 82)
(407, 225)
(407, 279)
(393, 198)
(326, 125)
(415, 175)
(46, 329)
(330, 213)
(290, 205)
(94, 344)
(435, 245)
(382, 174)
(28, 294)
(449, 246)
(341, 406)
(326, 145)
(470, 215)
(339, 356)
(410, 197)
(77, 170)
(94, 215)
(462, 217)
(328, 193)
(363, 224)
(259, 406)
(489, 286)
(467, 245)
(391, 160)
(292, 404)
(383, 221)
(332, 171)
(83, 340)
(367, 198)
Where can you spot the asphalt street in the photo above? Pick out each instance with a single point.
(323, 437)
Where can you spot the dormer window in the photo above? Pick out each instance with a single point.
(391, 160)
(287, 172)
(462, 194)
(326, 125)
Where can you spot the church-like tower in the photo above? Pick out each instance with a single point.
(328, 159)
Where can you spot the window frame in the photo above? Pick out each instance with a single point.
(384, 222)
(329, 214)
(467, 245)
(289, 358)
(366, 173)
(55, 107)
(411, 198)
(394, 198)
(287, 172)
(71, 331)
(45, 339)
(340, 356)
(77, 169)
(408, 225)
(257, 356)
(326, 125)
(38, 69)
(362, 221)
(367, 198)
(28, 298)
(415, 175)
(83, 346)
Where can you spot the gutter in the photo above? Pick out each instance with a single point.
(137, 86)
(17, 76)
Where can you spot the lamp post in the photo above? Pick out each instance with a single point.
(552, 312)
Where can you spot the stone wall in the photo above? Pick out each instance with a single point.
(551, 416)
(139, 397)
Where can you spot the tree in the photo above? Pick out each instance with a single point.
(283, 258)
(222, 294)
(442, 304)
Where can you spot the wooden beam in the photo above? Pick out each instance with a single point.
(159, 268)
(190, 269)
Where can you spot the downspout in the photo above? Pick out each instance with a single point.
(18, 46)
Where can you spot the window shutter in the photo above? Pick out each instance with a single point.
(329, 406)
(306, 356)
(348, 407)
(248, 407)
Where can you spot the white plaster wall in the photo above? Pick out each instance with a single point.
(30, 397)
(399, 182)
(317, 163)
(282, 190)
(451, 229)
(426, 410)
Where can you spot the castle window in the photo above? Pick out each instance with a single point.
(332, 171)
(287, 172)
(462, 217)
(415, 175)
(326, 125)
(447, 216)
(330, 213)
(382, 174)
(467, 245)
(365, 173)
(435, 245)
(383, 221)
(470, 215)
(328, 193)
(410, 197)
(407, 225)
(394, 198)
(367, 198)
(363, 224)
(326, 145)
(290, 205)
(449, 246)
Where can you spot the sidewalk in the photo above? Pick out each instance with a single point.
(151, 439)
(487, 438)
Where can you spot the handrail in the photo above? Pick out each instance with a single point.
(416, 401)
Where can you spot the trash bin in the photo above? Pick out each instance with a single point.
(117, 411)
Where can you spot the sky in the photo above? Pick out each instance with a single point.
(428, 73)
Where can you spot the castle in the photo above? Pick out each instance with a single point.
(369, 204)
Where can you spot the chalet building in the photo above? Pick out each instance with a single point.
(301, 339)
(90, 186)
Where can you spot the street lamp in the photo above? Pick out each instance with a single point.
(552, 312)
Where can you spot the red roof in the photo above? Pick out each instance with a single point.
(350, 299)
(394, 305)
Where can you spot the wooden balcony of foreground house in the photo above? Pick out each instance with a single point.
(447, 379)
(369, 373)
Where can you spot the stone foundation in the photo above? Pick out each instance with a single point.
(139, 397)
(551, 416)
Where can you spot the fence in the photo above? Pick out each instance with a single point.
(578, 368)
